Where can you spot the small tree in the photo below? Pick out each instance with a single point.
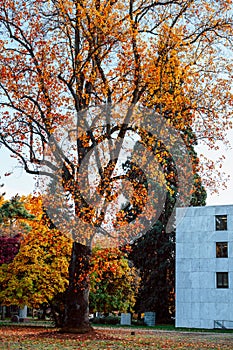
(40, 269)
(114, 283)
(13, 214)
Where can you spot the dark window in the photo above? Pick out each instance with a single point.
(221, 222)
(221, 250)
(222, 279)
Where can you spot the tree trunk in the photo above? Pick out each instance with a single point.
(76, 312)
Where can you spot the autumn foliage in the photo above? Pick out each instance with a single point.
(60, 57)
(34, 268)
(120, 338)
(114, 283)
(63, 61)
(40, 269)
(9, 247)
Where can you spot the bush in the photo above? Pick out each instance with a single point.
(96, 320)
(138, 323)
(111, 320)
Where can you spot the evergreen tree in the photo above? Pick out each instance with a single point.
(154, 253)
(12, 210)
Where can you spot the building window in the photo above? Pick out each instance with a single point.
(221, 250)
(221, 222)
(222, 279)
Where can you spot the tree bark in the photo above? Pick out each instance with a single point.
(76, 308)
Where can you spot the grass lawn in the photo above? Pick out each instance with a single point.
(22, 338)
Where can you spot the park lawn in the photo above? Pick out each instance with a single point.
(22, 338)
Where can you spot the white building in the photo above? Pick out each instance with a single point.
(204, 267)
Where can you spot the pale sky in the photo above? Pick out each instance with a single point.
(21, 183)
(18, 182)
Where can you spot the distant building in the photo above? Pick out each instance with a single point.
(204, 267)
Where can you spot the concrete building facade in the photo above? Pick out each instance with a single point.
(204, 267)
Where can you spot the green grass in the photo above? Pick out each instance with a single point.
(29, 323)
(217, 330)
(165, 327)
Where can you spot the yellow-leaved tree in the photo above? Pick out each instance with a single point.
(39, 271)
(114, 283)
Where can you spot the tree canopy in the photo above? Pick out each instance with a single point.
(60, 57)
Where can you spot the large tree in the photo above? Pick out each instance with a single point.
(154, 253)
(61, 60)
